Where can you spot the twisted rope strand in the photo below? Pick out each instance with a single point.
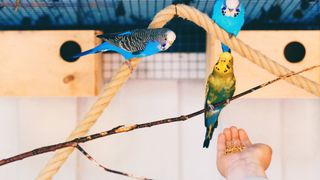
(90, 119)
(202, 20)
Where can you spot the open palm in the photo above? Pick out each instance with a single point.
(246, 160)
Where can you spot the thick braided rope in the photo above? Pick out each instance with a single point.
(202, 20)
(110, 90)
(90, 119)
(123, 75)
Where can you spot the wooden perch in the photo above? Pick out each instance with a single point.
(127, 128)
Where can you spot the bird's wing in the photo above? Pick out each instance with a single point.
(207, 91)
(210, 98)
(132, 41)
(206, 105)
(232, 88)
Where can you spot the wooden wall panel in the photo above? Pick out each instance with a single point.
(31, 64)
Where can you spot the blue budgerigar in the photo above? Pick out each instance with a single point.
(229, 15)
(134, 44)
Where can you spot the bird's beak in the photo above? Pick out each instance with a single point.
(170, 43)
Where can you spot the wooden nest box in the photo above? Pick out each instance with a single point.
(32, 65)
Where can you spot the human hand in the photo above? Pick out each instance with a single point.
(238, 158)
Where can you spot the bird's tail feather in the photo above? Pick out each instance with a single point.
(101, 48)
(211, 124)
(208, 137)
(90, 51)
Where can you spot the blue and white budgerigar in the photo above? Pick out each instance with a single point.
(229, 15)
(134, 44)
(220, 87)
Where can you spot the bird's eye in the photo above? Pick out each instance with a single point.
(165, 39)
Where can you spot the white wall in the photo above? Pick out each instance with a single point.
(28, 123)
(167, 152)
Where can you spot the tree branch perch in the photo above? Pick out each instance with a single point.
(126, 128)
(86, 154)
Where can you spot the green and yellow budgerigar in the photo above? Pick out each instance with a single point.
(220, 86)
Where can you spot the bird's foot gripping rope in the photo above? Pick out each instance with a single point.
(128, 63)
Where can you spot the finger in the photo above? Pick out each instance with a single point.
(221, 147)
(244, 138)
(235, 136)
(227, 134)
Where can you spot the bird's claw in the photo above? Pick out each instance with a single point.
(211, 107)
(128, 63)
(227, 101)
